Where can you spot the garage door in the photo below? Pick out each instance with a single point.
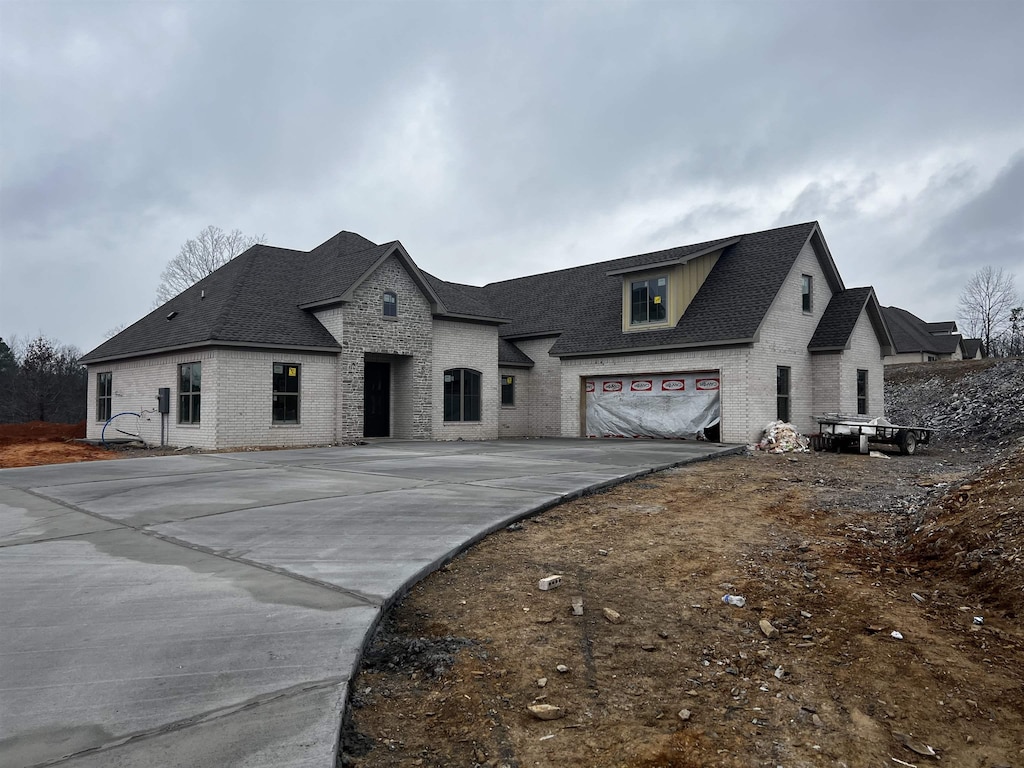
(679, 405)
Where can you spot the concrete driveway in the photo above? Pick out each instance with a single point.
(209, 610)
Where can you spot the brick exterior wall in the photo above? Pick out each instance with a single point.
(244, 386)
(405, 341)
(864, 353)
(785, 333)
(466, 345)
(826, 373)
(731, 362)
(514, 420)
(236, 398)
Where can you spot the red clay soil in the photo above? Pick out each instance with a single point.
(42, 442)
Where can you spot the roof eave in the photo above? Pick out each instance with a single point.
(657, 348)
(472, 318)
(87, 360)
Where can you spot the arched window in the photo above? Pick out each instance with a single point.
(461, 394)
(390, 304)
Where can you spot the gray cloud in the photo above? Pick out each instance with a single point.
(496, 138)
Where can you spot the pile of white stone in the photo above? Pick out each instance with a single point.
(960, 400)
(783, 437)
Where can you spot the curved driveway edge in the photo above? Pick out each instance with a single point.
(209, 610)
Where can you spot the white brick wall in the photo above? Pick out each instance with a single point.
(732, 364)
(134, 384)
(236, 398)
(514, 421)
(466, 345)
(784, 336)
(865, 353)
(244, 387)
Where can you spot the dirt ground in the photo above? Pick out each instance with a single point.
(835, 552)
(40, 442)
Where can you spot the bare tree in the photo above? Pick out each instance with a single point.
(985, 305)
(209, 250)
(112, 332)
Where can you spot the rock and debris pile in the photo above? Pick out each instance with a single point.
(783, 437)
(979, 401)
(977, 530)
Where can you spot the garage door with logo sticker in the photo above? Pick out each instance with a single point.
(679, 405)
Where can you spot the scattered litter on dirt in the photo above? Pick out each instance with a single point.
(802, 676)
(783, 437)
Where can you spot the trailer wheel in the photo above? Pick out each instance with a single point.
(908, 443)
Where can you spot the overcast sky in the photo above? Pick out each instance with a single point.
(497, 139)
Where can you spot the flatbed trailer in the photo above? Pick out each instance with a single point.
(838, 431)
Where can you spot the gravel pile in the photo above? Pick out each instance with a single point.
(978, 401)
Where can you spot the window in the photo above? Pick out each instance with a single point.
(862, 391)
(806, 284)
(104, 383)
(782, 392)
(286, 393)
(648, 301)
(190, 377)
(461, 395)
(390, 304)
(508, 390)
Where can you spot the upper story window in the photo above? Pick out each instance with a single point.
(286, 393)
(461, 394)
(648, 301)
(390, 304)
(104, 390)
(806, 286)
(190, 378)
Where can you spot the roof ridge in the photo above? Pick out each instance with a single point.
(704, 243)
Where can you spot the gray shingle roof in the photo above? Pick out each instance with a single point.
(910, 334)
(584, 303)
(511, 355)
(253, 299)
(971, 347)
(257, 297)
(465, 300)
(839, 318)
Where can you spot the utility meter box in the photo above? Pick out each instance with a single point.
(163, 399)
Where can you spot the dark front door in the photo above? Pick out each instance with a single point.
(377, 400)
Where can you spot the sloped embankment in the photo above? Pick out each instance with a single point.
(975, 401)
(975, 533)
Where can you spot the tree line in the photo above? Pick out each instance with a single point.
(41, 380)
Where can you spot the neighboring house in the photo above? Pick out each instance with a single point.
(915, 341)
(973, 349)
(351, 340)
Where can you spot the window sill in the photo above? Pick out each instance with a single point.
(648, 327)
(508, 407)
(389, 318)
(457, 423)
(188, 426)
(286, 425)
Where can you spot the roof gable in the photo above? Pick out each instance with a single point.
(584, 305)
(840, 318)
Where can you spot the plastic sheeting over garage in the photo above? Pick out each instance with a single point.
(678, 405)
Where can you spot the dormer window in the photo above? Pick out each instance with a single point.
(390, 304)
(648, 301)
